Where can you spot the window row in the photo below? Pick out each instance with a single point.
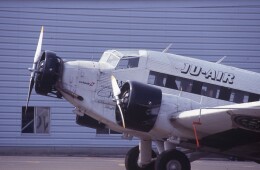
(201, 88)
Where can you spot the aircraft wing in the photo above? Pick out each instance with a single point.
(232, 128)
(218, 119)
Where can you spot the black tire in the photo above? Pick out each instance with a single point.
(172, 158)
(132, 158)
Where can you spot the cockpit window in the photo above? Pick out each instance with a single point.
(113, 60)
(128, 62)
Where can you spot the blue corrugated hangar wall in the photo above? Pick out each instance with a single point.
(79, 29)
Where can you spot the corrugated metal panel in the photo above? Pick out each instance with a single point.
(84, 29)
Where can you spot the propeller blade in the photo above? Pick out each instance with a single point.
(122, 116)
(116, 92)
(39, 48)
(115, 87)
(29, 93)
(37, 56)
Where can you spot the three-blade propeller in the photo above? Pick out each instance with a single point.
(33, 69)
(116, 93)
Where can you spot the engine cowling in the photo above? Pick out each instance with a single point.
(140, 105)
(48, 71)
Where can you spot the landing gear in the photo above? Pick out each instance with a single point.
(131, 160)
(172, 160)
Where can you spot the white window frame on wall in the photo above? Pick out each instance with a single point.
(107, 131)
(41, 120)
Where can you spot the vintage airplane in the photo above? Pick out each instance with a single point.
(171, 100)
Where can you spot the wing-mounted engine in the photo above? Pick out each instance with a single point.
(49, 69)
(140, 104)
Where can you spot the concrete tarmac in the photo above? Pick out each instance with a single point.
(103, 163)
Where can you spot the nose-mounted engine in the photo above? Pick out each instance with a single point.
(140, 104)
(49, 69)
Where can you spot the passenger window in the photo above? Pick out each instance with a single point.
(170, 82)
(128, 62)
(156, 78)
(224, 93)
(160, 80)
(210, 90)
(151, 78)
(196, 87)
(253, 97)
(238, 96)
(184, 84)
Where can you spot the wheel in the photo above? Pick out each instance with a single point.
(132, 158)
(172, 160)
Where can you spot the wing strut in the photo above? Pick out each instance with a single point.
(195, 132)
(194, 124)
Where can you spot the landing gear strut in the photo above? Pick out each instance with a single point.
(131, 160)
(172, 160)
